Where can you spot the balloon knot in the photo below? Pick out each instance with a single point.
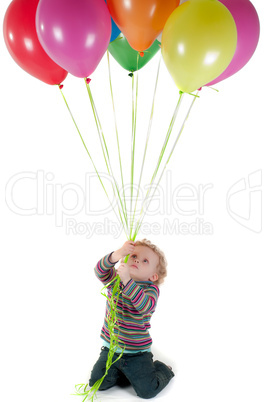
(60, 86)
(200, 89)
(141, 54)
(181, 92)
(130, 75)
(88, 80)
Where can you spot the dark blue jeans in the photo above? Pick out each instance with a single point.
(148, 378)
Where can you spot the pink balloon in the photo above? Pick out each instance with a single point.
(248, 32)
(74, 33)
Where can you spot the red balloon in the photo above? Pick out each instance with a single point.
(24, 46)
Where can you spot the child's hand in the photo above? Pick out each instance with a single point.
(126, 249)
(124, 273)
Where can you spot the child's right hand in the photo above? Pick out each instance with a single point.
(127, 248)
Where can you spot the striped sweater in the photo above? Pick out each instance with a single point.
(137, 303)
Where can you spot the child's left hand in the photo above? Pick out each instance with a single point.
(124, 273)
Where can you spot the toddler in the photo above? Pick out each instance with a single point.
(140, 277)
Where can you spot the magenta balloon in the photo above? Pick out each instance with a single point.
(248, 32)
(74, 33)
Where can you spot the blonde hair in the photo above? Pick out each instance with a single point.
(162, 265)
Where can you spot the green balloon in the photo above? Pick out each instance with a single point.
(127, 57)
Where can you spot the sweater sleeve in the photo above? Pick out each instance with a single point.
(144, 300)
(105, 270)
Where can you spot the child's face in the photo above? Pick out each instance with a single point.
(143, 264)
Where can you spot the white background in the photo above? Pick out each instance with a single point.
(210, 324)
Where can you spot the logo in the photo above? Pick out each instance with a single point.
(244, 202)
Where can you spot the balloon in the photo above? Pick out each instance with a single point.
(141, 21)
(198, 42)
(114, 29)
(127, 57)
(23, 44)
(248, 32)
(75, 34)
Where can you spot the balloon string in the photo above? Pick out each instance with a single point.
(147, 137)
(159, 160)
(118, 38)
(180, 132)
(117, 136)
(104, 147)
(134, 114)
(131, 176)
(98, 125)
(166, 163)
(88, 153)
(167, 137)
(105, 152)
(214, 89)
(112, 322)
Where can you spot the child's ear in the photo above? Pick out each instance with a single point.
(154, 278)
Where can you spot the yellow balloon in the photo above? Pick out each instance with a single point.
(198, 43)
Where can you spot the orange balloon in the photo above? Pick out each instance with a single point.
(141, 21)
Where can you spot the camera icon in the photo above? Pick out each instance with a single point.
(244, 201)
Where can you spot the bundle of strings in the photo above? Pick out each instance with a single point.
(83, 389)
